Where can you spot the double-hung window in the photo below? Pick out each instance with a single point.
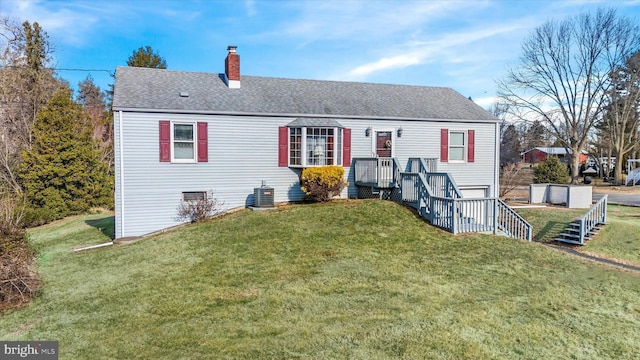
(457, 145)
(183, 141)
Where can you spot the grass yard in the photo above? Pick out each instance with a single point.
(620, 238)
(352, 279)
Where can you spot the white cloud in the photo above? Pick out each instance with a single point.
(453, 47)
(486, 102)
(356, 21)
(400, 61)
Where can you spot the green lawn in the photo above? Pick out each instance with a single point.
(620, 238)
(353, 279)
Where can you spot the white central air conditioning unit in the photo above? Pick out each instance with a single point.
(263, 197)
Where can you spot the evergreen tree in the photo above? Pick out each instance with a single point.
(537, 135)
(510, 148)
(551, 170)
(62, 173)
(26, 85)
(93, 101)
(146, 57)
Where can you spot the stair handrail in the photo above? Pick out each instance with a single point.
(397, 170)
(510, 222)
(596, 215)
(449, 187)
(426, 166)
(633, 176)
(414, 189)
(422, 165)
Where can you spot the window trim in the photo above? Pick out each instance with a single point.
(194, 141)
(338, 146)
(464, 146)
(469, 140)
(374, 136)
(197, 195)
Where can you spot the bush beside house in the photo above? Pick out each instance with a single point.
(323, 183)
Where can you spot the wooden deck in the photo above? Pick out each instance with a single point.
(438, 199)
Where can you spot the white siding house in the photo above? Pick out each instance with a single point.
(178, 132)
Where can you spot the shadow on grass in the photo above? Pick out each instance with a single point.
(550, 231)
(106, 225)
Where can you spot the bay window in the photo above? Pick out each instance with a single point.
(309, 142)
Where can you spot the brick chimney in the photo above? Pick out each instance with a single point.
(232, 68)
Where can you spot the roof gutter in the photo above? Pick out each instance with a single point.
(289, 115)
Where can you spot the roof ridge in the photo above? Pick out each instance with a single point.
(288, 79)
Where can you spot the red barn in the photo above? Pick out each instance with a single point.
(538, 154)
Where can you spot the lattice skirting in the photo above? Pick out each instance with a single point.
(367, 192)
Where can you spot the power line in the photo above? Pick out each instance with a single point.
(110, 72)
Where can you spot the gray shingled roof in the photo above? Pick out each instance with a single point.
(146, 89)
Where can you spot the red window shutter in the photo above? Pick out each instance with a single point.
(203, 143)
(444, 145)
(471, 146)
(283, 146)
(346, 147)
(165, 140)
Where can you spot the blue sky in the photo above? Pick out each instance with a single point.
(465, 45)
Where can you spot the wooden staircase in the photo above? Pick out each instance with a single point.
(586, 227)
(571, 234)
(436, 197)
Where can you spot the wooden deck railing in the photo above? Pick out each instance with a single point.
(381, 172)
(459, 215)
(438, 199)
(596, 215)
(442, 185)
(422, 165)
(417, 193)
(511, 223)
(633, 177)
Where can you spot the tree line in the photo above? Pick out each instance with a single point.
(56, 149)
(580, 78)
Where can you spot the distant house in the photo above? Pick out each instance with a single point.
(179, 134)
(538, 154)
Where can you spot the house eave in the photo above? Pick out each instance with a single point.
(292, 115)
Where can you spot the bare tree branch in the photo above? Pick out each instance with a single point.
(563, 75)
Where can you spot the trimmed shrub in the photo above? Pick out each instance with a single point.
(551, 170)
(323, 183)
(200, 209)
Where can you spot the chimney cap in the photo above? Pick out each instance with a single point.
(232, 48)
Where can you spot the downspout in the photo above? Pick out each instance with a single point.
(496, 163)
(121, 179)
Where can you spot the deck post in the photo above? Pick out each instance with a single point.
(495, 216)
(454, 216)
(605, 209)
